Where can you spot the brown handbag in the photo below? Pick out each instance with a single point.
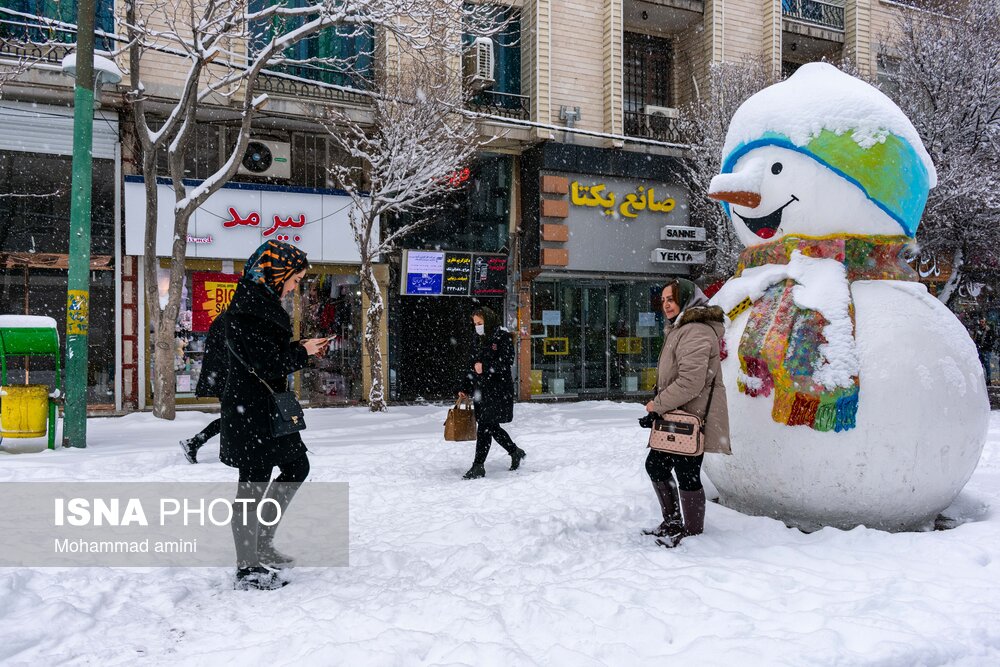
(461, 422)
(680, 432)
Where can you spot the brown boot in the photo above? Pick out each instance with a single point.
(693, 507)
(666, 493)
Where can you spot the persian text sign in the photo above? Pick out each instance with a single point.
(234, 221)
(616, 222)
(212, 293)
(440, 273)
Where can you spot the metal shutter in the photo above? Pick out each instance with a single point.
(42, 128)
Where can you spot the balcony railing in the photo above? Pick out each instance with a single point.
(288, 87)
(655, 127)
(507, 105)
(816, 12)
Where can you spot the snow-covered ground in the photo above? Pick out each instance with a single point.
(544, 566)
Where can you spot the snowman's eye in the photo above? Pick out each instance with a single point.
(776, 168)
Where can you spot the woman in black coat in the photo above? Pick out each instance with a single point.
(259, 336)
(488, 379)
(214, 370)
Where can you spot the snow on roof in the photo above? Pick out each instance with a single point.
(26, 322)
(820, 97)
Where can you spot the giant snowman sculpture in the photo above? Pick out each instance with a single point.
(855, 397)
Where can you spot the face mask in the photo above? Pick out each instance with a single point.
(481, 329)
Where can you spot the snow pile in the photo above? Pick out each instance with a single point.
(26, 322)
(544, 566)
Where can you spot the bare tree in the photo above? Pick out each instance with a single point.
(947, 80)
(704, 124)
(223, 46)
(418, 143)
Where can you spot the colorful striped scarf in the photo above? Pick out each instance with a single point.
(273, 263)
(779, 350)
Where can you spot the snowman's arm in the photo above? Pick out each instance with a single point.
(694, 348)
(739, 293)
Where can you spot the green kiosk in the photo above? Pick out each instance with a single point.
(28, 410)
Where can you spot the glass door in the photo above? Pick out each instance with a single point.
(594, 339)
(635, 336)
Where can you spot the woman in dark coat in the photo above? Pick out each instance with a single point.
(488, 379)
(214, 370)
(259, 335)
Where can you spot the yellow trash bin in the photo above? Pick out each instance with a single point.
(24, 410)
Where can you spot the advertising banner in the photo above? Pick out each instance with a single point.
(212, 293)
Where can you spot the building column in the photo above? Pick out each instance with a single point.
(771, 44)
(614, 35)
(130, 333)
(858, 36)
(536, 59)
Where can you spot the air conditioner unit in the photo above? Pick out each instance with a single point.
(479, 64)
(267, 159)
(666, 112)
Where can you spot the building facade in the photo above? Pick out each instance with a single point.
(567, 223)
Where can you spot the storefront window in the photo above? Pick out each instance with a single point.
(331, 306)
(594, 338)
(478, 217)
(34, 247)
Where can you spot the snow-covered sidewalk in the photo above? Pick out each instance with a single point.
(543, 566)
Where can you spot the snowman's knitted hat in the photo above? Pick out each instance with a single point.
(846, 125)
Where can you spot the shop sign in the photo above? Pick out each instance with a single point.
(668, 256)
(670, 233)
(457, 273)
(642, 199)
(489, 275)
(423, 272)
(234, 221)
(211, 295)
(441, 273)
(617, 223)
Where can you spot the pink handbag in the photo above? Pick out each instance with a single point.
(680, 432)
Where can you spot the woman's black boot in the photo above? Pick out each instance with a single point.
(475, 472)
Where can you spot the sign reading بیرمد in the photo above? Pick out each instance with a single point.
(617, 223)
(234, 221)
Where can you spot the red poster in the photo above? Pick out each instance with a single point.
(212, 293)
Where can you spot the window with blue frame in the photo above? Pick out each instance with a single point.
(341, 55)
(507, 62)
(22, 29)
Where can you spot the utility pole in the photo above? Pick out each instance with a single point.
(78, 291)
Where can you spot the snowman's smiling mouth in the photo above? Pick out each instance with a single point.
(766, 226)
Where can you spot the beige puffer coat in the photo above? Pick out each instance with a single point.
(689, 362)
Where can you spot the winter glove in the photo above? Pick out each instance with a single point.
(647, 421)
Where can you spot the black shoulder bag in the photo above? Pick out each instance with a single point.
(286, 413)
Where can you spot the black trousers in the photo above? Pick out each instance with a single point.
(255, 484)
(659, 466)
(209, 432)
(485, 434)
(292, 472)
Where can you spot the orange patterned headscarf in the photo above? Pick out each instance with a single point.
(273, 263)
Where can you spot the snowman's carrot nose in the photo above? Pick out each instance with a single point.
(741, 188)
(739, 197)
